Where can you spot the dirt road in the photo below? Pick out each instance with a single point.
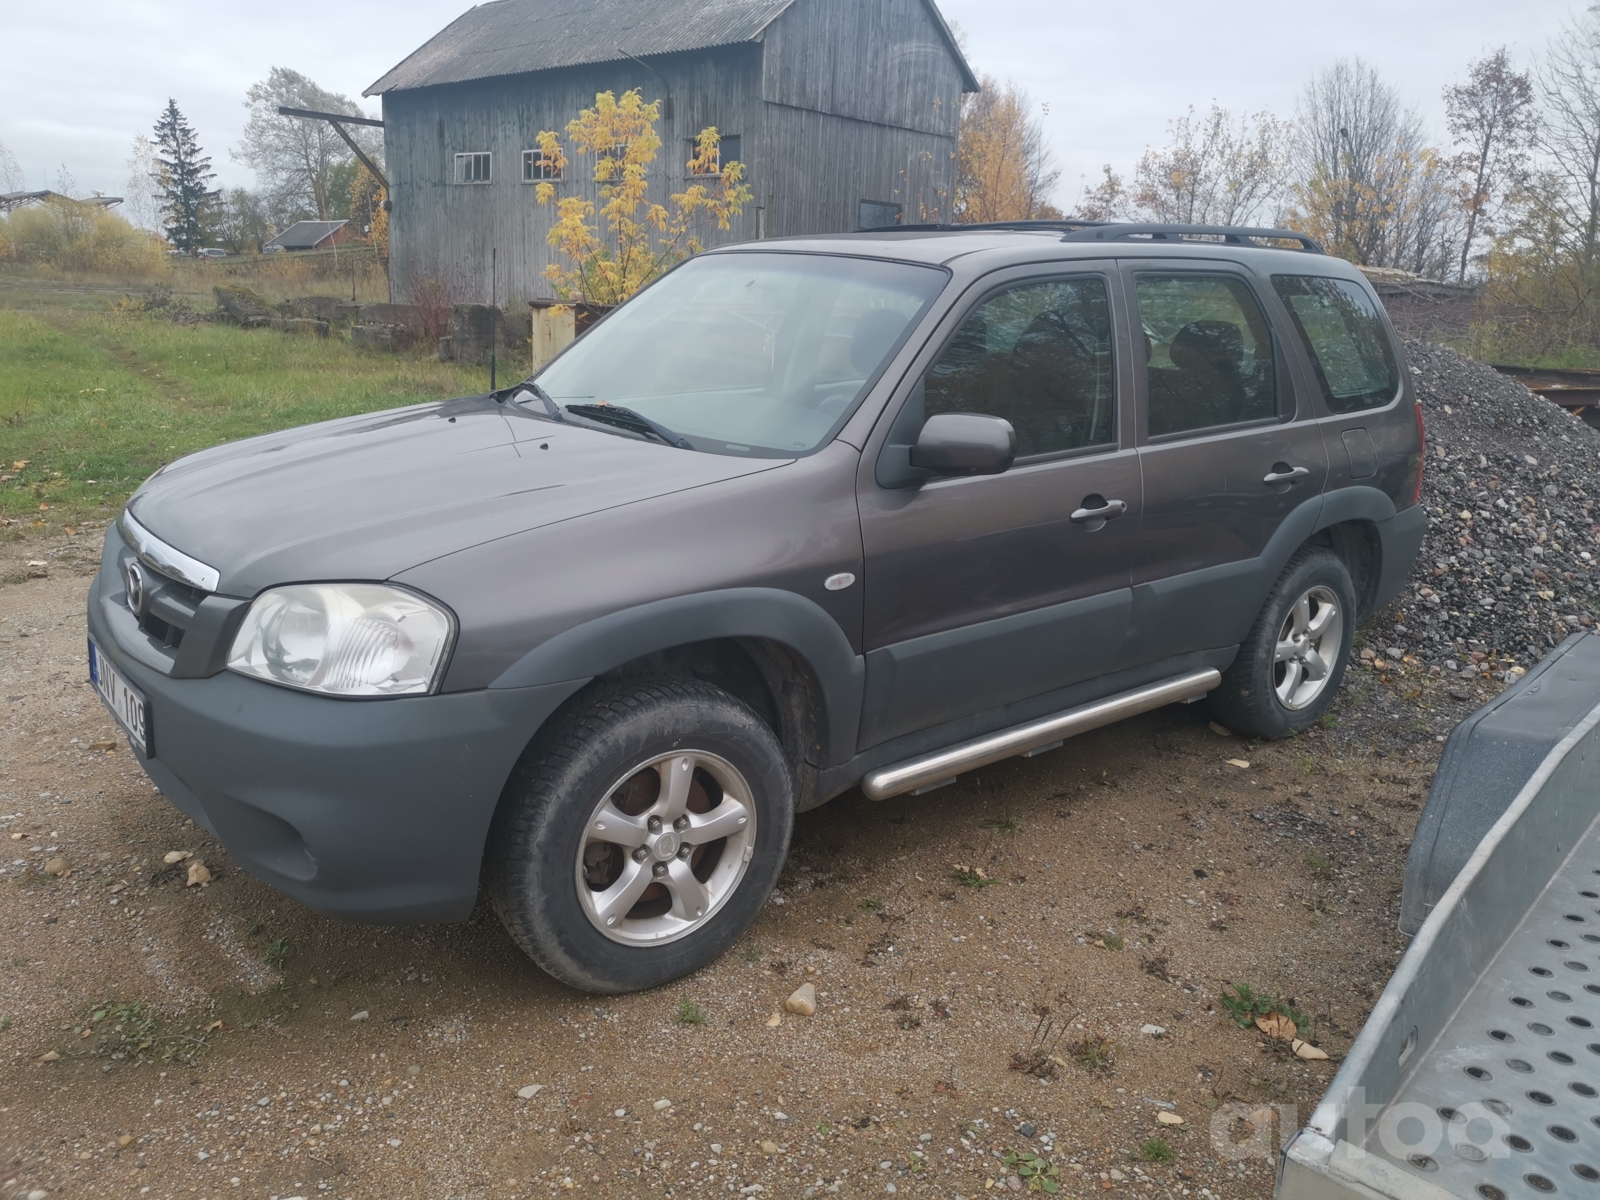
(163, 1040)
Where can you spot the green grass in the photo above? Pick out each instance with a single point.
(690, 1013)
(1155, 1150)
(93, 404)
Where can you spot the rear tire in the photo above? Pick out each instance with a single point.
(1289, 668)
(640, 834)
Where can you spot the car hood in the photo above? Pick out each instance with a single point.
(368, 497)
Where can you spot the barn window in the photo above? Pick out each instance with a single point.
(536, 169)
(727, 152)
(878, 214)
(474, 168)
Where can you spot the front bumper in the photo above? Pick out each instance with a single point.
(372, 810)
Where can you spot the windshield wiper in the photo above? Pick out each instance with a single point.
(626, 418)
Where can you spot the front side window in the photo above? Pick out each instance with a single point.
(1343, 334)
(749, 353)
(1039, 355)
(474, 168)
(1209, 358)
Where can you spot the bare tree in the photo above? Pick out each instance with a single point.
(1005, 171)
(141, 195)
(1108, 200)
(1491, 118)
(1569, 134)
(1366, 181)
(300, 159)
(11, 179)
(1215, 170)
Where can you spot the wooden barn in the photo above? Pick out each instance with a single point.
(843, 112)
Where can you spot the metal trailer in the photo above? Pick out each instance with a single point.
(1478, 1073)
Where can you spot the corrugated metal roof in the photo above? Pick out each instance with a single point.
(509, 37)
(304, 235)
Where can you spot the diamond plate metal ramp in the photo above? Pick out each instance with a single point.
(1478, 1073)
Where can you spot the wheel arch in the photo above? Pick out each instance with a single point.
(811, 675)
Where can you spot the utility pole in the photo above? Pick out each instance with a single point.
(494, 290)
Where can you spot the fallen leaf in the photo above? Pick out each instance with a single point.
(19, 464)
(1169, 1118)
(775, 1020)
(1220, 730)
(1238, 762)
(87, 1033)
(1307, 1050)
(198, 875)
(49, 1056)
(176, 856)
(769, 1148)
(57, 867)
(125, 1140)
(214, 1026)
(103, 744)
(1276, 1025)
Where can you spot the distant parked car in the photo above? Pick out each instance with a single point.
(870, 509)
(212, 252)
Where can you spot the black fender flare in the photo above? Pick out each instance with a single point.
(595, 647)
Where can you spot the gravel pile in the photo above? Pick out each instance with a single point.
(1507, 569)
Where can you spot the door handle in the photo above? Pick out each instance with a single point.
(1283, 473)
(1097, 510)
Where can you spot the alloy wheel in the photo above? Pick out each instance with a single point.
(666, 848)
(1308, 648)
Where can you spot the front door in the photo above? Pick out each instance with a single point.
(1225, 459)
(984, 591)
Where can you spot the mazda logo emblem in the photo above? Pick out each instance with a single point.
(134, 578)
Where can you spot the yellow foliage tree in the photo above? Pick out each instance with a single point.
(1004, 168)
(366, 210)
(608, 265)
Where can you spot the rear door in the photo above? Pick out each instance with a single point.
(1226, 454)
(984, 591)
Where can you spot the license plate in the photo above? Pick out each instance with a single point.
(126, 702)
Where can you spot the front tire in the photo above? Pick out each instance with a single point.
(1289, 668)
(640, 834)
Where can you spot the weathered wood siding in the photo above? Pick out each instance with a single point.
(445, 231)
(843, 101)
(863, 101)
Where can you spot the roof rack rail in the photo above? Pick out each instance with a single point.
(1046, 225)
(1232, 235)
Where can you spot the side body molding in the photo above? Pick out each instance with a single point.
(596, 646)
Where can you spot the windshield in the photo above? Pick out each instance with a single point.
(758, 354)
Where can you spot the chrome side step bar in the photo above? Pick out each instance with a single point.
(942, 766)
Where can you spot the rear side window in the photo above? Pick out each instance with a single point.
(1039, 355)
(1344, 335)
(1208, 353)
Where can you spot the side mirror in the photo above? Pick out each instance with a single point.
(965, 444)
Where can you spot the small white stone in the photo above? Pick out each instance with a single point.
(716, 1147)
(1169, 1118)
(361, 1016)
(620, 1113)
(529, 1092)
(1153, 1030)
(659, 1105)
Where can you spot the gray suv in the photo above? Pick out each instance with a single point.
(806, 515)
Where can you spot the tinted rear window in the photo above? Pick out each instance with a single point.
(1344, 335)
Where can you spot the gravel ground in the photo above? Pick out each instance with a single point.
(1507, 569)
(170, 1041)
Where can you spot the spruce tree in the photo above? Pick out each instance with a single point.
(182, 173)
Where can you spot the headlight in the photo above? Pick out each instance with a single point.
(344, 639)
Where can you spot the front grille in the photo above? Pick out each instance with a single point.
(169, 604)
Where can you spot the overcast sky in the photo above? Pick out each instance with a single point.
(78, 80)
